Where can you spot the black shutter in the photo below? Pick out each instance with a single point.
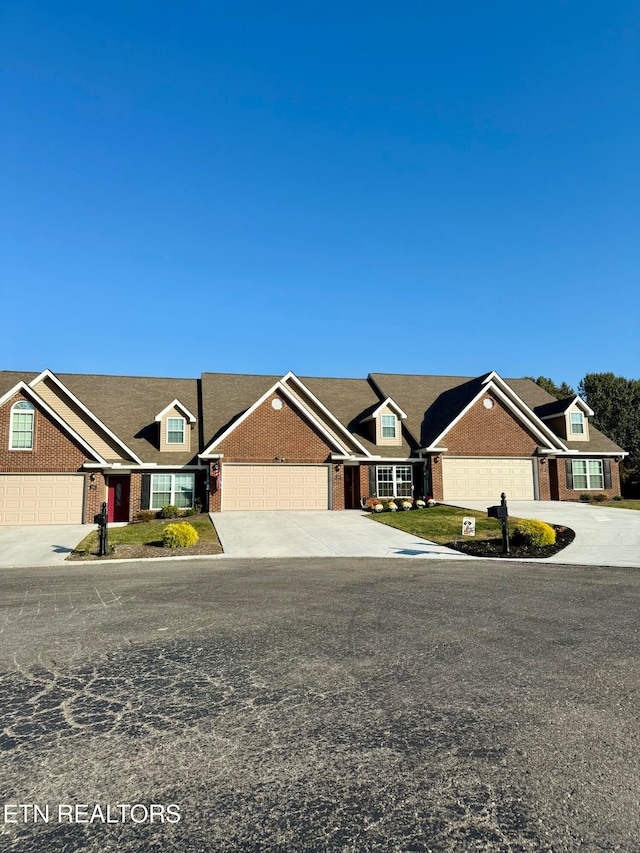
(568, 467)
(145, 494)
(606, 467)
(373, 485)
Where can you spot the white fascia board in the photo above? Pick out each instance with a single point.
(211, 456)
(433, 449)
(280, 388)
(325, 411)
(578, 401)
(620, 453)
(388, 403)
(176, 404)
(22, 386)
(407, 459)
(527, 418)
(47, 374)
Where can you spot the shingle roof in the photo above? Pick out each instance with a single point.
(349, 400)
(128, 405)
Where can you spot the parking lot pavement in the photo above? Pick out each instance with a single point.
(322, 705)
(605, 536)
(318, 533)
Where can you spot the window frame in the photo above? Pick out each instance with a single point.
(579, 423)
(587, 474)
(169, 430)
(394, 425)
(22, 407)
(395, 481)
(171, 491)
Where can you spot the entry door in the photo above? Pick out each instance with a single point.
(118, 508)
(351, 487)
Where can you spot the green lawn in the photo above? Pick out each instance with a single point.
(148, 533)
(441, 524)
(623, 504)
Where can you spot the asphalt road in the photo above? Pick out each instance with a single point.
(320, 705)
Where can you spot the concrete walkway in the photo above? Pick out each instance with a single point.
(318, 533)
(605, 536)
(39, 544)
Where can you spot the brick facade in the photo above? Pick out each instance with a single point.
(560, 492)
(53, 452)
(490, 432)
(283, 433)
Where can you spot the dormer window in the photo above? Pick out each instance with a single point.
(577, 423)
(22, 420)
(175, 430)
(388, 426)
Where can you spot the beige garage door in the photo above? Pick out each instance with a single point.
(475, 479)
(275, 487)
(41, 498)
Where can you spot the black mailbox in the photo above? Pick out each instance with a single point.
(100, 518)
(497, 512)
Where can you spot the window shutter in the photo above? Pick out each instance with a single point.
(373, 485)
(606, 467)
(145, 496)
(569, 469)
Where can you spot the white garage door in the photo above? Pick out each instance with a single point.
(275, 487)
(41, 498)
(473, 479)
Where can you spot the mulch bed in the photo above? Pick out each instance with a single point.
(493, 547)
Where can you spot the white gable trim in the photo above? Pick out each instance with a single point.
(332, 418)
(176, 404)
(22, 386)
(280, 388)
(389, 404)
(47, 374)
(577, 401)
(526, 417)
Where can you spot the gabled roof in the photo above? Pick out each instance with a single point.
(289, 386)
(446, 399)
(388, 403)
(176, 404)
(559, 407)
(28, 391)
(128, 406)
(47, 375)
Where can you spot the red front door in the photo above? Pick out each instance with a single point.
(118, 508)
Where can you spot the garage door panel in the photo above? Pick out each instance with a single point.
(483, 478)
(41, 498)
(266, 487)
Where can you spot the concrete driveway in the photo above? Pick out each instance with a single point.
(605, 536)
(317, 533)
(39, 544)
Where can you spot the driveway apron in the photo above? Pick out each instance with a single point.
(605, 536)
(39, 544)
(318, 533)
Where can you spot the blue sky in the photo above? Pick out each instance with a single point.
(329, 188)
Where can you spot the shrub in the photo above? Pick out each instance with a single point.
(534, 532)
(170, 511)
(189, 512)
(585, 497)
(599, 497)
(145, 515)
(180, 535)
(617, 497)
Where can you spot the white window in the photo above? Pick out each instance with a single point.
(175, 430)
(577, 423)
(22, 418)
(394, 481)
(175, 489)
(587, 474)
(388, 426)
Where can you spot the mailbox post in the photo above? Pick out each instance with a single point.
(101, 520)
(502, 514)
